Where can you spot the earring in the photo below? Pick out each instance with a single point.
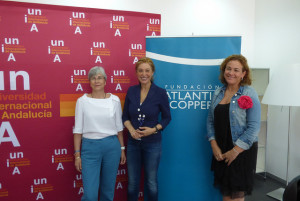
(242, 78)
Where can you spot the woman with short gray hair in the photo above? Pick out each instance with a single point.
(98, 138)
(96, 70)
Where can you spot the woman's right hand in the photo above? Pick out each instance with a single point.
(78, 164)
(216, 150)
(134, 134)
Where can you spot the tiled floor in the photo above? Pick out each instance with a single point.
(262, 187)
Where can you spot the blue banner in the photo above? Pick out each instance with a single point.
(188, 68)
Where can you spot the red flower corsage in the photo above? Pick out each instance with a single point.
(245, 102)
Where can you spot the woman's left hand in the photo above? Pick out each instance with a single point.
(123, 157)
(145, 131)
(230, 156)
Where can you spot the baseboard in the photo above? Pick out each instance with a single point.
(267, 175)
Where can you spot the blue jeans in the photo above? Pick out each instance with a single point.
(100, 161)
(143, 154)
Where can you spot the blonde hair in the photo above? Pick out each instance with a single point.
(148, 61)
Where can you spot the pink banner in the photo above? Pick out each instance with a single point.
(46, 52)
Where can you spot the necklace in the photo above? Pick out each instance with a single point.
(227, 97)
(229, 93)
(99, 98)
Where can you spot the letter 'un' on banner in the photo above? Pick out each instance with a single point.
(188, 68)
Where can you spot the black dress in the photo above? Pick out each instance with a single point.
(238, 177)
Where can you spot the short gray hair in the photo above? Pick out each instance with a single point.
(96, 70)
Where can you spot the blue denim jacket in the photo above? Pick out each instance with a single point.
(244, 123)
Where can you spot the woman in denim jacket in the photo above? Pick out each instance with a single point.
(233, 124)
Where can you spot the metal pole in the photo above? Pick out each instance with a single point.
(288, 149)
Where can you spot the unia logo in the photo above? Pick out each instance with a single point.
(58, 47)
(79, 20)
(121, 177)
(99, 50)
(40, 186)
(136, 50)
(119, 78)
(12, 46)
(153, 26)
(34, 17)
(118, 23)
(79, 77)
(17, 160)
(60, 156)
(78, 184)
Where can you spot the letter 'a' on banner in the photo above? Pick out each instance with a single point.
(188, 68)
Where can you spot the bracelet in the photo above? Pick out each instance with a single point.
(235, 151)
(122, 148)
(76, 151)
(77, 157)
(156, 130)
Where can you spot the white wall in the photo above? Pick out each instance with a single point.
(277, 44)
(277, 41)
(270, 39)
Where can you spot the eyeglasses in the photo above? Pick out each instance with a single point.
(97, 78)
